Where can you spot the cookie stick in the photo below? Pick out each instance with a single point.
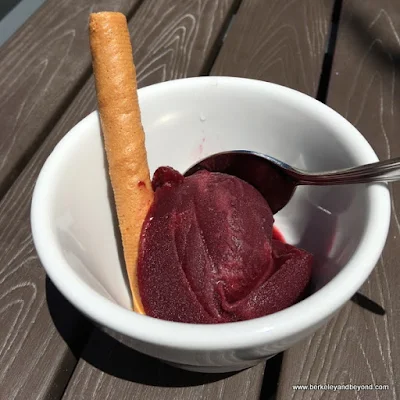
(116, 87)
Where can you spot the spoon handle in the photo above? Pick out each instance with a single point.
(381, 171)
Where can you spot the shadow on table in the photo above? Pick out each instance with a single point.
(119, 360)
(112, 357)
(109, 355)
(73, 327)
(367, 304)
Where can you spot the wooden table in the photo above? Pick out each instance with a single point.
(344, 52)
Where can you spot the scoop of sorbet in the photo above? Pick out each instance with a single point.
(207, 253)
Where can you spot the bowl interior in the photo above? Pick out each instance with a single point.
(187, 121)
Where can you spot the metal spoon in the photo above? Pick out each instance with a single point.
(277, 181)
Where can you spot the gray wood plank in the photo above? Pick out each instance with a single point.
(41, 334)
(171, 41)
(278, 41)
(109, 370)
(41, 68)
(361, 346)
(115, 372)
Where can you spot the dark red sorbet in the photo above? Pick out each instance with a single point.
(207, 252)
(277, 235)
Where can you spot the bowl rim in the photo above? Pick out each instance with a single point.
(300, 317)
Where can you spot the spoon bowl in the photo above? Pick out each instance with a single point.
(267, 174)
(277, 181)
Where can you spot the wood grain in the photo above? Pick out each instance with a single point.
(118, 372)
(41, 334)
(360, 346)
(35, 361)
(282, 42)
(42, 67)
(177, 39)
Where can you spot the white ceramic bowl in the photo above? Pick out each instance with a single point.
(185, 120)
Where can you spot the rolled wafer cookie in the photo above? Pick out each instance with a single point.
(124, 139)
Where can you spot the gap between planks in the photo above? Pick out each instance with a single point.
(326, 70)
